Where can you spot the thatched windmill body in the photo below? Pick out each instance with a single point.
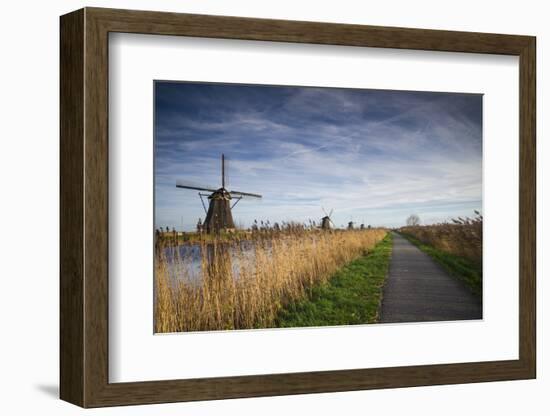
(220, 203)
(326, 221)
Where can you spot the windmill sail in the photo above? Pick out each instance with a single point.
(238, 193)
(218, 216)
(191, 185)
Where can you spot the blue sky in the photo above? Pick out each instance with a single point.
(373, 156)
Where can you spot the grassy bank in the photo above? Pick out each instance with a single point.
(351, 296)
(464, 269)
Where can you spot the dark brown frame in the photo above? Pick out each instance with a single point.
(84, 209)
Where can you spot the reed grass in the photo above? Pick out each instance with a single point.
(244, 286)
(461, 237)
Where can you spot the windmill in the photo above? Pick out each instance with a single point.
(218, 215)
(326, 221)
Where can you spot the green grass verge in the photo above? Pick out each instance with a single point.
(459, 267)
(351, 296)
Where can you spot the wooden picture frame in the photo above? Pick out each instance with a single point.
(84, 207)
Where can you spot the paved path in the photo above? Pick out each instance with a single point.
(418, 289)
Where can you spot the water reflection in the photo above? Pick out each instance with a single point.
(194, 262)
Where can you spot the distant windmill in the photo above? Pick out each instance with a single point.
(218, 215)
(326, 221)
(350, 225)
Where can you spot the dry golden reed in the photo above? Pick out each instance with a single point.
(462, 237)
(244, 285)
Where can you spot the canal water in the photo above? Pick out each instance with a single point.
(187, 263)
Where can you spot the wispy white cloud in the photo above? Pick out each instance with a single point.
(372, 156)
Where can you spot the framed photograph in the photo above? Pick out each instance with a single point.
(255, 207)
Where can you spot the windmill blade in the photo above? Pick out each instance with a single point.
(244, 194)
(226, 171)
(191, 185)
(325, 212)
(331, 211)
